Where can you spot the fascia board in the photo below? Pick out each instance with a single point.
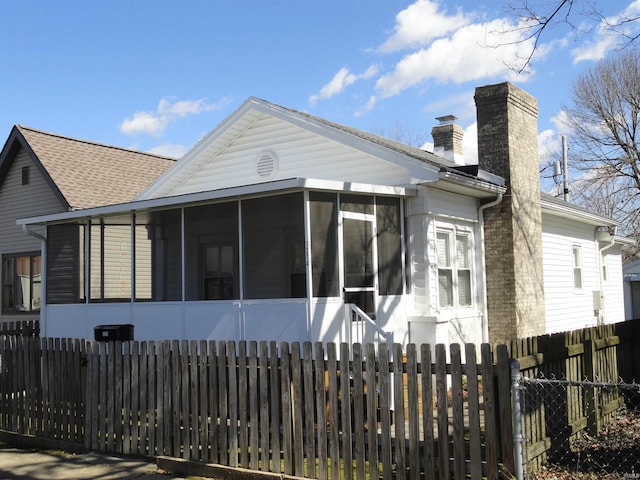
(467, 185)
(278, 186)
(566, 211)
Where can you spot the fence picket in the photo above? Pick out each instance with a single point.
(309, 409)
(321, 412)
(473, 403)
(299, 409)
(254, 438)
(383, 412)
(333, 410)
(264, 407)
(459, 455)
(442, 411)
(427, 412)
(243, 404)
(371, 410)
(286, 423)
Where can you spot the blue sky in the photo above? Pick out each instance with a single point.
(157, 75)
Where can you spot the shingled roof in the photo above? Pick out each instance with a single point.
(86, 174)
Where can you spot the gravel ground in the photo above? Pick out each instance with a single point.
(613, 454)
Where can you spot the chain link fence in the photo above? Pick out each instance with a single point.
(576, 430)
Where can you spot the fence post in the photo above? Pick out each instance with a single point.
(590, 393)
(517, 419)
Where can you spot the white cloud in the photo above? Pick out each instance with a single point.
(144, 122)
(611, 32)
(340, 82)
(470, 144)
(473, 52)
(368, 107)
(593, 51)
(420, 23)
(173, 150)
(168, 110)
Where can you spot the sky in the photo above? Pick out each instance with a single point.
(158, 75)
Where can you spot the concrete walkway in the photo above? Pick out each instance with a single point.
(44, 465)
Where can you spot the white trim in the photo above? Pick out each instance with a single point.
(277, 186)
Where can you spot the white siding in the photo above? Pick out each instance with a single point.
(299, 154)
(429, 322)
(568, 308)
(613, 287)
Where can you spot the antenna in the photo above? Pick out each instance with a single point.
(565, 172)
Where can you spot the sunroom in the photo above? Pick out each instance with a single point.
(287, 260)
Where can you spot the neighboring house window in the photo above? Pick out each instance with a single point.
(219, 261)
(577, 267)
(21, 281)
(453, 250)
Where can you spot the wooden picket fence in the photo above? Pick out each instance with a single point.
(606, 353)
(309, 410)
(29, 328)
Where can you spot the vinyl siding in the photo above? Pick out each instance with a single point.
(299, 154)
(426, 211)
(613, 286)
(18, 201)
(567, 308)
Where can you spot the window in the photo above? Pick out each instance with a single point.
(272, 233)
(389, 246)
(577, 267)
(219, 267)
(21, 282)
(453, 249)
(324, 244)
(212, 262)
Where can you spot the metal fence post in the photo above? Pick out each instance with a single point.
(517, 419)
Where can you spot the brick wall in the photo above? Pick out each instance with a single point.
(508, 146)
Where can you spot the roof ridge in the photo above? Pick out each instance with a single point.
(93, 143)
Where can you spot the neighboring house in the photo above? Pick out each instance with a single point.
(631, 272)
(42, 173)
(279, 225)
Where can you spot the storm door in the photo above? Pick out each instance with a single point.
(359, 252)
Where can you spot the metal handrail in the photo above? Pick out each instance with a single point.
(356, 314)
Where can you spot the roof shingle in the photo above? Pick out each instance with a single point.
(90, 174)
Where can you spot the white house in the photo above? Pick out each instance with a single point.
(279, 225)
(631, 277)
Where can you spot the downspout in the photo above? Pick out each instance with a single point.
(43, 282)
(485, 309)
(612, 241)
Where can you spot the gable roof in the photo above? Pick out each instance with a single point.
(421, 163)
(84, 174)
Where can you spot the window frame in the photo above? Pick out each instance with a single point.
(453, 233)
(12, 309)
(577, 267)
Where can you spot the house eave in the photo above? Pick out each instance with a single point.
(570, 212)
(222, 194)
(467, 185)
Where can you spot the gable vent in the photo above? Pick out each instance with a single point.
(267, 164)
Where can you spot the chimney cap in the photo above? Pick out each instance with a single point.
(446, 119)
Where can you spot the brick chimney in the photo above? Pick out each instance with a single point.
(447, 139)
(508, 146)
